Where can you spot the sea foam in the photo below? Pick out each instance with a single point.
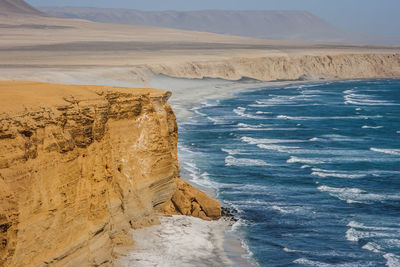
(232, 161)
(389, 151)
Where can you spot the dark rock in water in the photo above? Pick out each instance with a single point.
(229, 214)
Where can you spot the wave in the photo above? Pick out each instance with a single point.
(389, 151)
(241, 112)
(304, 160)
(354, 235)
(215, 120)
(335, 138)
(306, 118)
(307, 262)
(196, 176)
(371, 246)
(257, 141)
(392, 260)
(365, 100)
(371, 127)
(354, 224)
(282, 149)
(240, 162)
(338, 174)
(356, 195)
(251, 127)
(233, 151)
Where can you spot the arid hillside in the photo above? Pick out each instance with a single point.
(10, 7)
(273, 25)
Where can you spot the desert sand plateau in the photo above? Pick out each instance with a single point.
(34, 43)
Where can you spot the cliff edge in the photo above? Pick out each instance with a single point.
(82, 165)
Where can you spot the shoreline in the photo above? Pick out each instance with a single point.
(226, 243)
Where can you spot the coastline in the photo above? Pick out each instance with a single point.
(225, 245)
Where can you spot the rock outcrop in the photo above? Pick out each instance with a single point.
(188, 200)
(82, 165)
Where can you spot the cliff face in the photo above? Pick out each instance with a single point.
(283, 67)
(79, 167)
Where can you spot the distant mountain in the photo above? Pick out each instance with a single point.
(12, 7)
(276, 25)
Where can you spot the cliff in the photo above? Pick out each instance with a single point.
(82, 165)
(313, 66)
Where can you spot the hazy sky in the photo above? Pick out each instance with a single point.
(369, 16)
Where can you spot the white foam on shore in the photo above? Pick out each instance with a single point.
(197, 177)
(240, 162)
(389, 151)
(178, 241)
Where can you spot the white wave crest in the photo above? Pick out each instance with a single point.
(371, 246)
(232, 161)
(282, 149)
(395, 152)
(351, 98)
(339, 174)
(232, 151)
(371, 127)
(307, 262)
(355, 195)
(285, 117)
(257, 141)
(304, 160)
(392, 260)
(241, 112)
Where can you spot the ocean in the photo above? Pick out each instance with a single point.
(312, 171)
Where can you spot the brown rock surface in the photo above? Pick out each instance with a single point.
(188, 200)
(79, 167)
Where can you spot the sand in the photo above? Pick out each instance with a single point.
(178, 241)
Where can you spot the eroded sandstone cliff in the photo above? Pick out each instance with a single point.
(328, 65)
(82, 165)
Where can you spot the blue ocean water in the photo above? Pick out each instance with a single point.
(313, 170)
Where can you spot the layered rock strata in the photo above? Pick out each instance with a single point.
(82, 165)
(328, 66)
